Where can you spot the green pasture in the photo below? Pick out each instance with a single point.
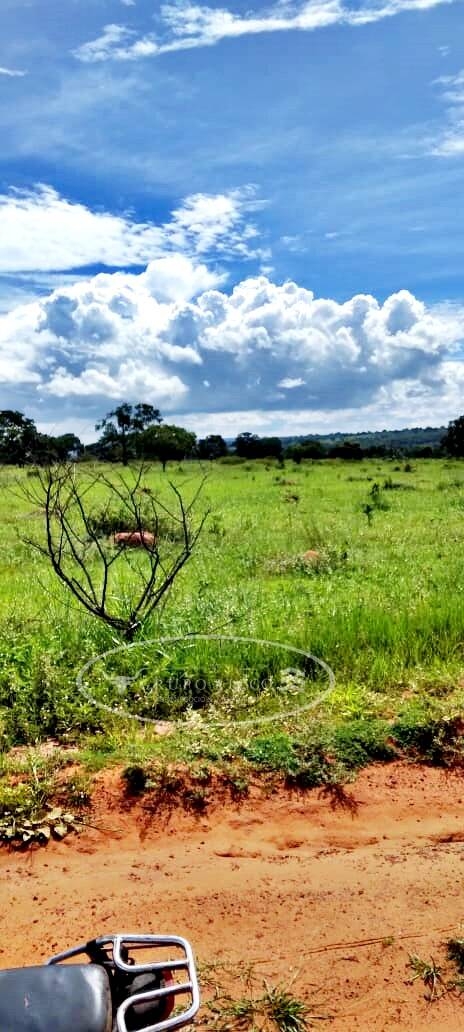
(382, 605)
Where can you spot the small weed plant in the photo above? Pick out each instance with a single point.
(261, 1006)
(431, 974)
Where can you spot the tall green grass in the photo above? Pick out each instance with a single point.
(384, 606)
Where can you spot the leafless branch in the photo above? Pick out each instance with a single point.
(85, 558)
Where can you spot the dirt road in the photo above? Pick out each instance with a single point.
(286, 882)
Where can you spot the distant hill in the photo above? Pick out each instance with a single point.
(415, 437)
(405, 441)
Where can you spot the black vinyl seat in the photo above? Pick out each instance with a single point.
(59, 998)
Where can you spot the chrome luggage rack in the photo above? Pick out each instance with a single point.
(114, 953)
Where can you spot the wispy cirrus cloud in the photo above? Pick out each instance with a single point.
(450, 142)
(12, 73)
(114, 40)
(186, 25)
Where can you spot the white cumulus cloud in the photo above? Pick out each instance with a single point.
(177, 278)
(170, 336)
(131, 379)
(43, 231)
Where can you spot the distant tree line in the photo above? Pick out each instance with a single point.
(138, 431)
(21, 442)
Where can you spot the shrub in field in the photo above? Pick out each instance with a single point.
(271, 752)
(456, 484)
(304, 765)
(330, 757)
(319, 562)
(216, 526)
(377, 499)
(439, 741)
(135, 779)
(38, 697)
(359, 742)
(231, 460)
(395, 485)
(375, 502)
(235, 781)
(107, 520)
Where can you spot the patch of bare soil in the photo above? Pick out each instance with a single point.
(334, 899)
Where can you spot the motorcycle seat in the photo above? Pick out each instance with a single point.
(59, 998)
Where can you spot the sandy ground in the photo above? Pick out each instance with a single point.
(333, 899)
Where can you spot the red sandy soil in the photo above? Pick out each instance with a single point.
(304, 891)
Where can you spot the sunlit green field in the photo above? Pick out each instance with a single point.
(383, 605)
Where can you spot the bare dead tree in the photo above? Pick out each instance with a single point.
(80, 543)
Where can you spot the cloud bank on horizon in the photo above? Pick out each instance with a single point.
(172, 335)
(248, 235)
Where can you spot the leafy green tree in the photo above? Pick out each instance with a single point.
(269, 447)
(453, 440)
(167, 443)
(310, 449)
(250, 446)
(43, 450)
(17, 437)
(122, 426)
(212, 447)
(20, 442)
(245, 445)
(347, 450)
(145, 415)
(67, 446)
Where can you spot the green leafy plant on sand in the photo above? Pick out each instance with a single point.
(18, 828)
(38, 808)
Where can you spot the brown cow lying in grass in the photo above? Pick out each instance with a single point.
(311, 556)
(135, 538)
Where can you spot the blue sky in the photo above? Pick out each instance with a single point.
(251, 217)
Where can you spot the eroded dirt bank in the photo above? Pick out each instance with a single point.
(272, 881)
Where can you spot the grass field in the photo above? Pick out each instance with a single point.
(382, 605)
